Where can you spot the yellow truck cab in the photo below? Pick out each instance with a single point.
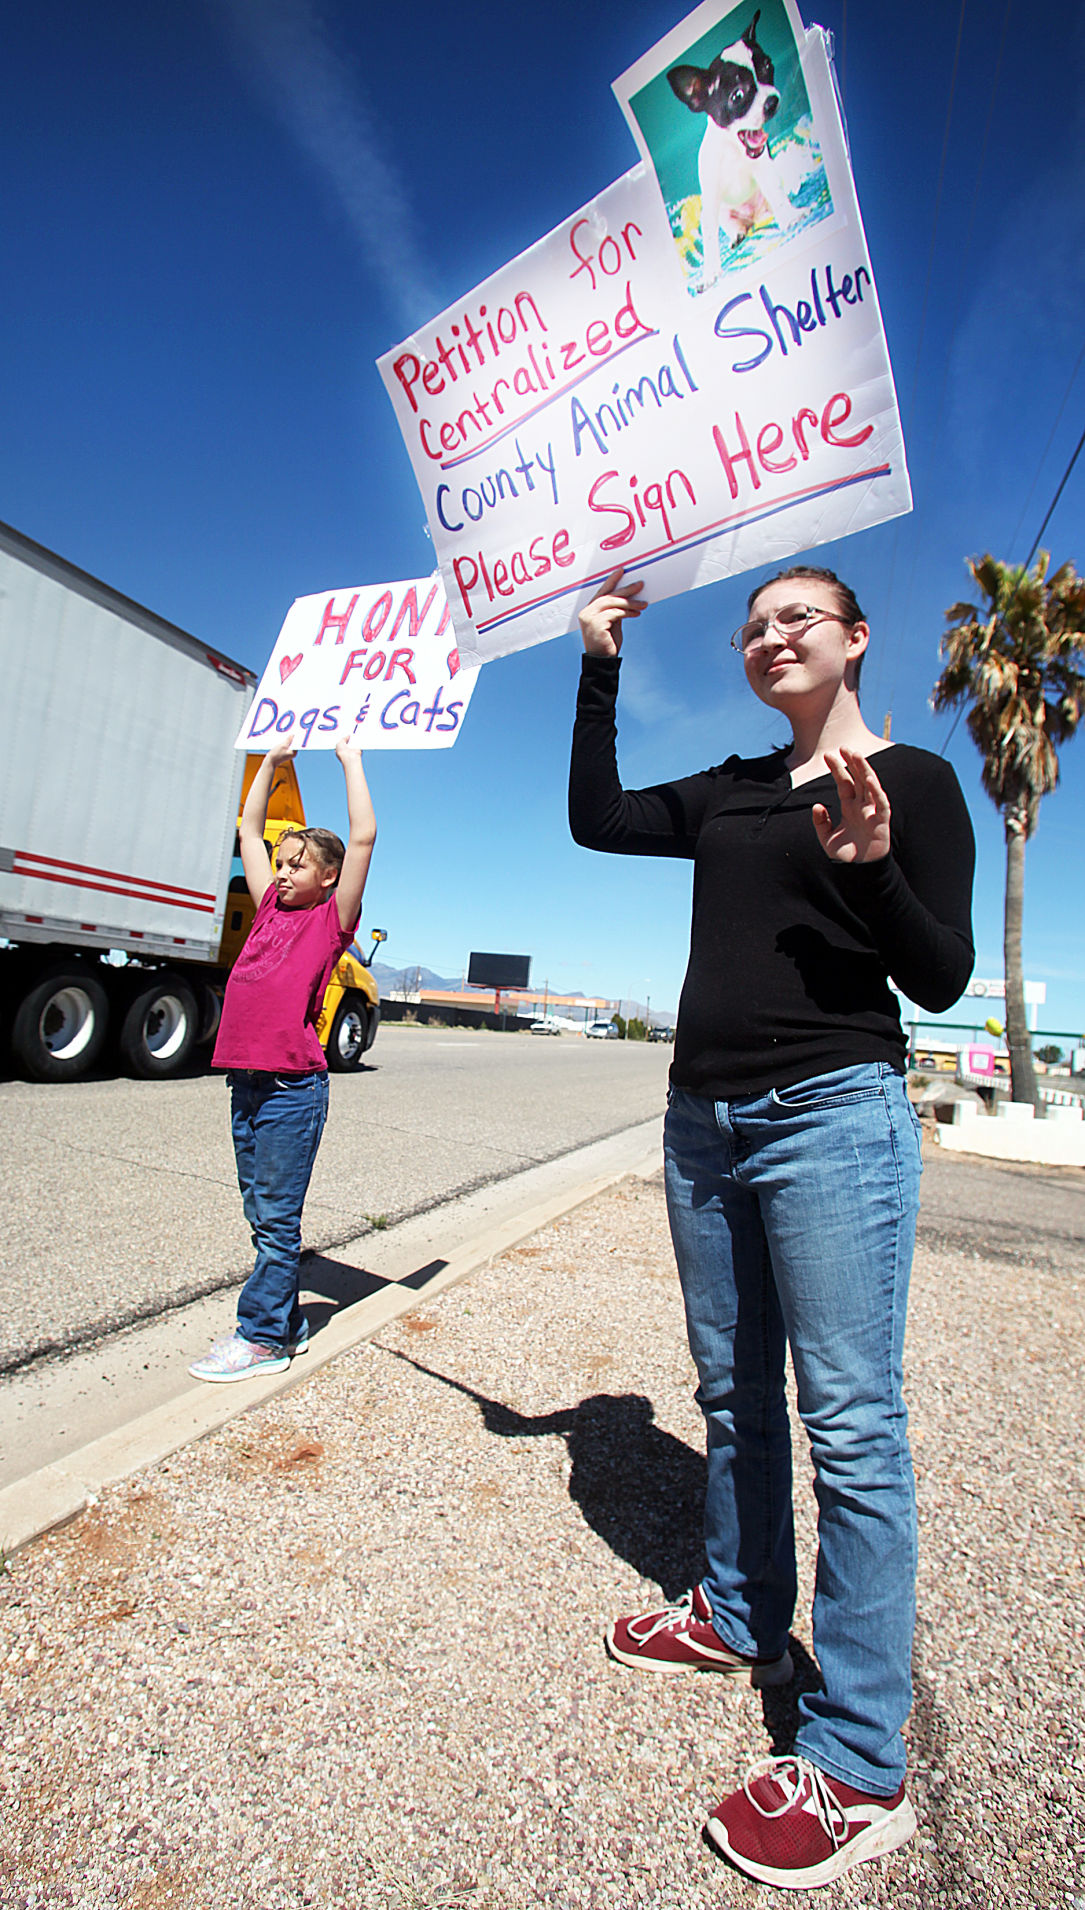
(350, 1014)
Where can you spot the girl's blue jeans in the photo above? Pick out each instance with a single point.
(793, 1217)
(277, 1121)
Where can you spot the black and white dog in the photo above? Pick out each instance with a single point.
(738, 175)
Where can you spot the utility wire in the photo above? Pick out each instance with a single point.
(1024, 568)
(1046, 449)
(1055, 499)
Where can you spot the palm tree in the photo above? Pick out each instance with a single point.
(1018, 664)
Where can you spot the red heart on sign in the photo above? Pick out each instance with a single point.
(453, 662)
(287, 666)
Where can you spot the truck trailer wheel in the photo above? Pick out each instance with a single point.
(160, 1027)
(349, 1037)
(59, 1027)
(209, 1003)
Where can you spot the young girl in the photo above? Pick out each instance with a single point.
(306, 915)
(821, 870)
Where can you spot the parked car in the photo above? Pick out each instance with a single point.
(661, 1034)
(545, 1027)
(601, 1031)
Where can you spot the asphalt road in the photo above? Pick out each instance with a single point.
(121, 1195)
(122, 1201)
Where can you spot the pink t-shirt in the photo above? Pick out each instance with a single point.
(276, 986)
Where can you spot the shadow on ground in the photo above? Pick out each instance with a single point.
(639, 1487)
(643, 1491)
(338, 1285)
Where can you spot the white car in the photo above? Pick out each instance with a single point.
(545, 1028)
(601, 1031)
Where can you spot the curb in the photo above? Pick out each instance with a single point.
(58, 1493)
(1023, 1143)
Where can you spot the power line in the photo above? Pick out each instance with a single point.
(952, 727)
(1055, 499)
(1063, 481)
(1047, 447)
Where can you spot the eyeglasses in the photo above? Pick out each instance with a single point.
(789, 622)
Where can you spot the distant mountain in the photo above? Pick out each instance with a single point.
(407, 980)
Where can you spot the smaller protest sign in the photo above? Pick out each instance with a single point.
(377, 662)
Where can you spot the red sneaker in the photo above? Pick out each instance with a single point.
(682, 1638)
(789, 1825)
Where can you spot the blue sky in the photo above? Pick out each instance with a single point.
(216, 217)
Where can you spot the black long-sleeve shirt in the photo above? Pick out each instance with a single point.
(790, 952)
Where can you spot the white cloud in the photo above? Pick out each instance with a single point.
(283, 50)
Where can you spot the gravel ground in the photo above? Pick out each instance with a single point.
(347, 1652)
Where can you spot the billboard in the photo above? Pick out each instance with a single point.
(499, 971)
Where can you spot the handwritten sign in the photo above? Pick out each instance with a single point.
(378, 660)
(598, 402)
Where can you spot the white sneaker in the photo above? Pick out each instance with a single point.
(235, 1358)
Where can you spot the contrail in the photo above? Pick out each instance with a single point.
(282, 48)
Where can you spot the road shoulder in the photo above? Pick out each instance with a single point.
(70, 1427)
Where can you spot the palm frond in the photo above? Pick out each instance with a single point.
(1018, 662)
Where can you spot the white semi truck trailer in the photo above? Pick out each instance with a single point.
(121, 904)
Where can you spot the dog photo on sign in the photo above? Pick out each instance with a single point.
(730, 134)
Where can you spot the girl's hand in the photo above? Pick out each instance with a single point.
(862, 834)
(601, 619)
(346, 747)
(283, 750)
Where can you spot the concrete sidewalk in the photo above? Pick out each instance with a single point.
(70, 1426)
(344, 1651)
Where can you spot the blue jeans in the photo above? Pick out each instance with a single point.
(277, 1121)
(793, 1218)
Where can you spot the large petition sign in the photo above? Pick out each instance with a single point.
(688, 377)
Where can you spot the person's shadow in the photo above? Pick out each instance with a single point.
(639, 1487)
(643, 1491)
